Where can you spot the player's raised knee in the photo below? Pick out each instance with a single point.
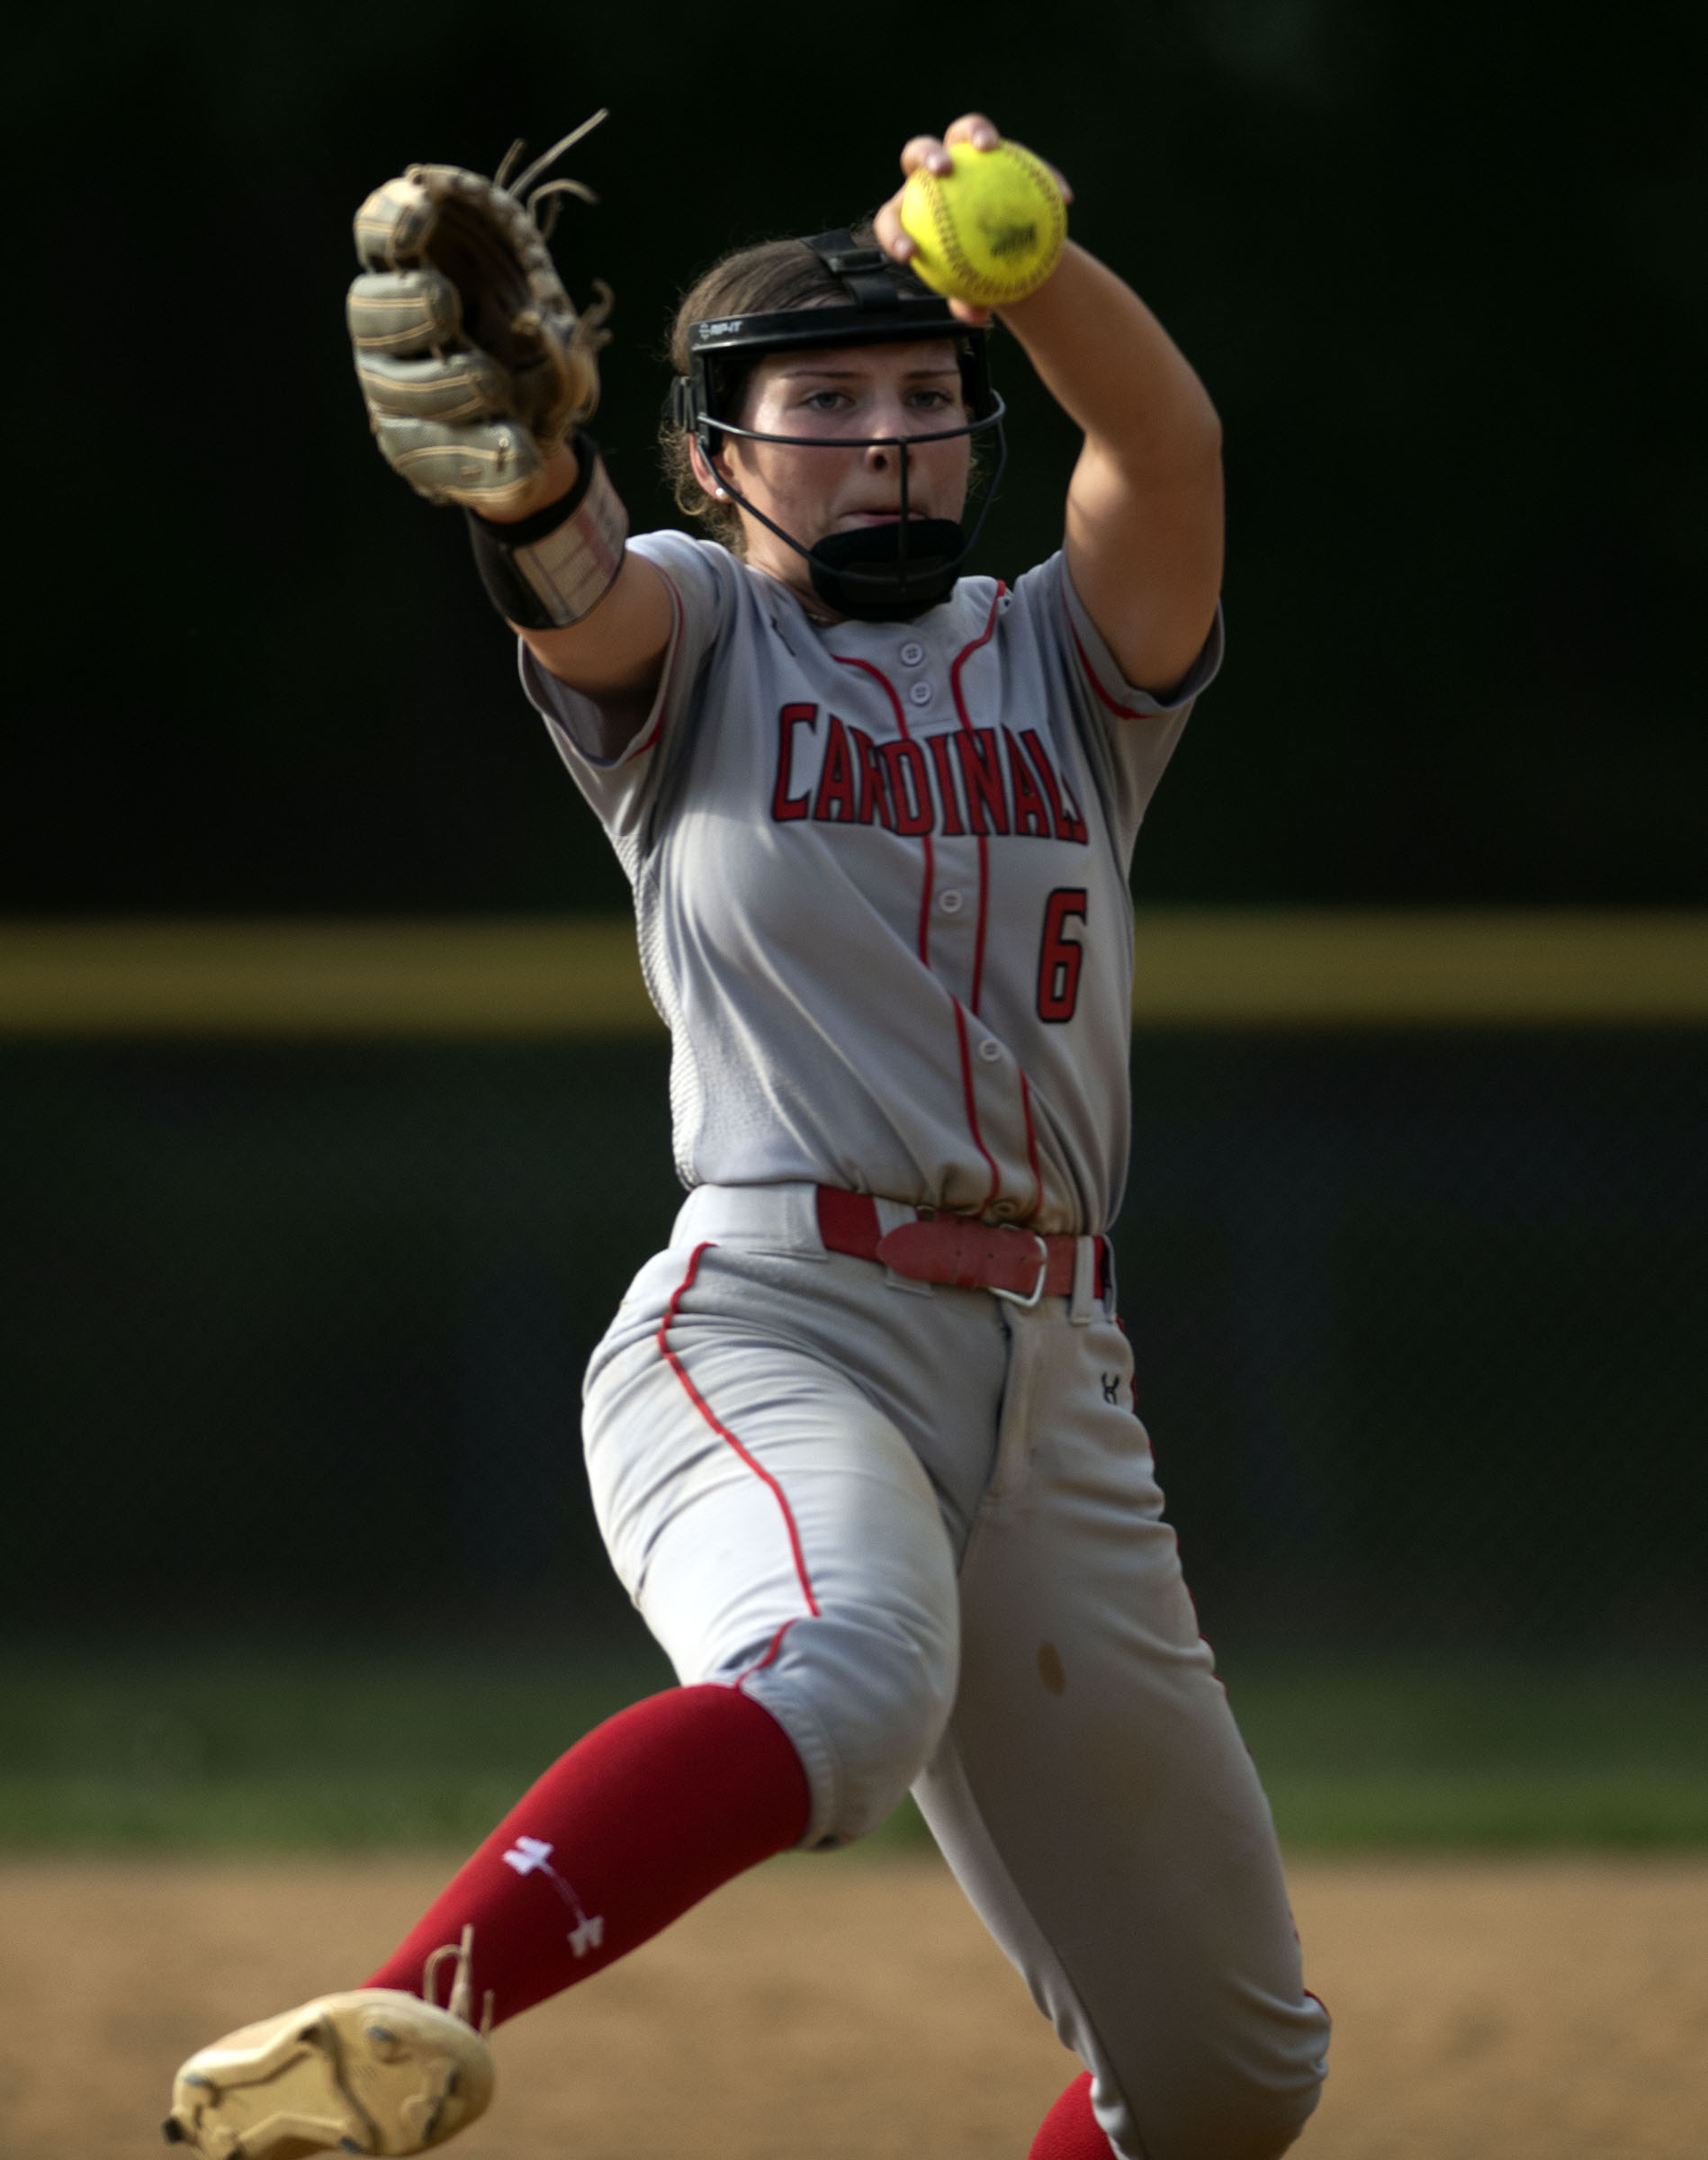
(865, 1703)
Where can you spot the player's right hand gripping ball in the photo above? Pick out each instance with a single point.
(992, 231)
(472, 358)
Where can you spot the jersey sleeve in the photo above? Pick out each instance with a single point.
(623, 790)
(1129, 735)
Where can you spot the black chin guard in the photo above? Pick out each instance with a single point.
(885, 573)
(889, 572)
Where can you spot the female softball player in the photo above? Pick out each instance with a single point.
(862, 1441)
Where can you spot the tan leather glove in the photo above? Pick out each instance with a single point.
(472, 358)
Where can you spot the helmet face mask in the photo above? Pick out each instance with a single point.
(885, 572)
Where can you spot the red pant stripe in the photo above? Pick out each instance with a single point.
(723, 1432)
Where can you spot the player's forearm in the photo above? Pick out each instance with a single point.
(613, 654)
(1117, 373)
(1144, 519)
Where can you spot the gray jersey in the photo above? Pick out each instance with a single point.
(880, 876)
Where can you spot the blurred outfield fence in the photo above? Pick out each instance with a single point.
(309, 1226)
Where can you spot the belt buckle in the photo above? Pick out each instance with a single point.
(1013, 1296)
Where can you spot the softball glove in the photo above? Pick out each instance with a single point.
(473, 361)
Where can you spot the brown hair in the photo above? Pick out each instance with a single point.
(765, 279)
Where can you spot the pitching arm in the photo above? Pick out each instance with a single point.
(1144, 528)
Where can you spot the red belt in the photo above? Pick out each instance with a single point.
(1021, 1265)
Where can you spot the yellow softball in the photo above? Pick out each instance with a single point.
(990, 231)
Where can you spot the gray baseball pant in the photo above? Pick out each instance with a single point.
(921, 1525)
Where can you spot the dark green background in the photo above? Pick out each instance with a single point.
(1440, 267)
(293, 1337)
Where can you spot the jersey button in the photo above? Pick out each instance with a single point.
(1005, 1207)
(989, 1049)
(911, 655)
(950, 903)
(919, 693)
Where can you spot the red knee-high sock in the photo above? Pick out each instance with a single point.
(638, 1821)
(1070, 2131)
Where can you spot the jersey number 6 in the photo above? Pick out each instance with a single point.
(1059, 956)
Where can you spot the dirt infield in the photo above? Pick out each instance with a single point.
(852, 2009)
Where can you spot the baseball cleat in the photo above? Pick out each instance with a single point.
(372, 2071)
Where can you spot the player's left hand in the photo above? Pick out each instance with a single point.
(473, 362)
(931, 153)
